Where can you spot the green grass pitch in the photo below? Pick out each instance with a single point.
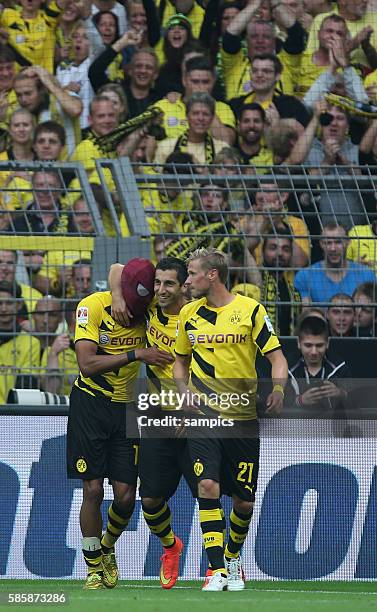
(147, 596)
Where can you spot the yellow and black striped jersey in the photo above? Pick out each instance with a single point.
(95, 323)
(161, 332)
(223, 343)
(34, 39)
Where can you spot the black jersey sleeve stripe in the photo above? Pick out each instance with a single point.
(254, 314)
(263, 337)
(108, 310)
(206, 367)
(208, 315)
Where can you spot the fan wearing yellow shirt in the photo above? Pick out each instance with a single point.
(219, 337)
(58, 359)
(31, 29)
(103, 119)
(360, 24)
(362, 247)
(7, 94)
(250, 137)
(268, 204)
(19, 351)
(260, 38)
(197, 77)
(21, 128)
(166, 205)
(8, 269)
(196, 140)
(38, 91)
(266, 70)
(331, 54)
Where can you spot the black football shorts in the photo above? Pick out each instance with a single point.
(102, 439)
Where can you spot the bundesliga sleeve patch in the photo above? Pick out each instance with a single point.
(269, 325)
(82, 315)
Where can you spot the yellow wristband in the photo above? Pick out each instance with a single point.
(278, 389)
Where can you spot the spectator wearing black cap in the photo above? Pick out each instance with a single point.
(177, 38)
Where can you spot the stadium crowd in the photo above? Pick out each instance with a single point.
(241, 89)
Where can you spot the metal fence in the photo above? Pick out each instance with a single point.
(60, 230)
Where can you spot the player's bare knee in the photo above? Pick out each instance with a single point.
(149, 503)
(124, 497)
(242, 506)
(208, 489)
(93, 491)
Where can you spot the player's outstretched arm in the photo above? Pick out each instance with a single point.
(91, 364)
(119, 310)
(279, 375)
(181, 373)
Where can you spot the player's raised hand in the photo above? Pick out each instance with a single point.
(119, 310)
(154, 356)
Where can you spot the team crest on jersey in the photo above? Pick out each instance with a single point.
(269, 325)
(104, 339)
(82, 315)
(198, 467)
(192, 338)
(235, 317)
(81, 465)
